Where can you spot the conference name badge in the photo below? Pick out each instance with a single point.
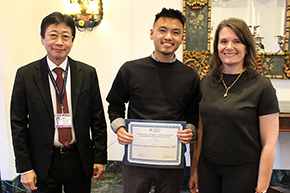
(63, 120)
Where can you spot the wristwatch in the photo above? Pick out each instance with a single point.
(260, 191)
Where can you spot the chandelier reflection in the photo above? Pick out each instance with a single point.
(221, 2)
(87, 14)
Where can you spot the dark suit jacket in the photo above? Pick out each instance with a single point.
(32, 117)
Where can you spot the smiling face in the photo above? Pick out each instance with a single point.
(56, 43)
(167, 35)
(230, 48)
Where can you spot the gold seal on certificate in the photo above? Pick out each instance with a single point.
(155, 144)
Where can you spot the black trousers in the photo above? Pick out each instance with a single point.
(216, 178)
(66, 171)
(139, 179)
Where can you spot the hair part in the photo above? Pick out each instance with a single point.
(171, 13)
(243, 32)
(57, 18)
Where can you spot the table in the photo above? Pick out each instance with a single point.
(284, 116)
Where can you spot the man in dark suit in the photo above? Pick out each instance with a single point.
(50, 155)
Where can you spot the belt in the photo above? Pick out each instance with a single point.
(64, 149)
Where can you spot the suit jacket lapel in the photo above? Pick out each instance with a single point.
(76, 83)
(41, 79)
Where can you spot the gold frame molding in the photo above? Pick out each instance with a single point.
(196, 52)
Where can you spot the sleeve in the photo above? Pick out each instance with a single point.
(118, 95)
(268, 102)
(19, 120)
(191, 110)
(98, 123)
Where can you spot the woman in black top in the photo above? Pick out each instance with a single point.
(239, 113)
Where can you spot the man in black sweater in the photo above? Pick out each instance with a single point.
(157, 87)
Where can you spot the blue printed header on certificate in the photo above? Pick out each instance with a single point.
(154, 144)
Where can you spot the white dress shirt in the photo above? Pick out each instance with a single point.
(51, 66)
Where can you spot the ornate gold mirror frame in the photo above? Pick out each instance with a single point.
(196, 45)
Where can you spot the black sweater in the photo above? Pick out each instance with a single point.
(155, 91)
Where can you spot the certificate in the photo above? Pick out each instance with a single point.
(155, 144)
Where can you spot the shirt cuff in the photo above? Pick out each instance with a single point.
(26, 172)
(193, 129)
(117, 123)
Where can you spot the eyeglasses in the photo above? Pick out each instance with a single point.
(54, 36)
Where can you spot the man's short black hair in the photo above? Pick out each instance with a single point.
(171, 13)
(57, 18)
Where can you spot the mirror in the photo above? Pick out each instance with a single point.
(273, 17)
(268, 17)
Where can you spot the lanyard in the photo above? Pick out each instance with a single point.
(60, 95)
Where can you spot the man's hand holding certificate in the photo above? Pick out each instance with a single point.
(124, 137)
